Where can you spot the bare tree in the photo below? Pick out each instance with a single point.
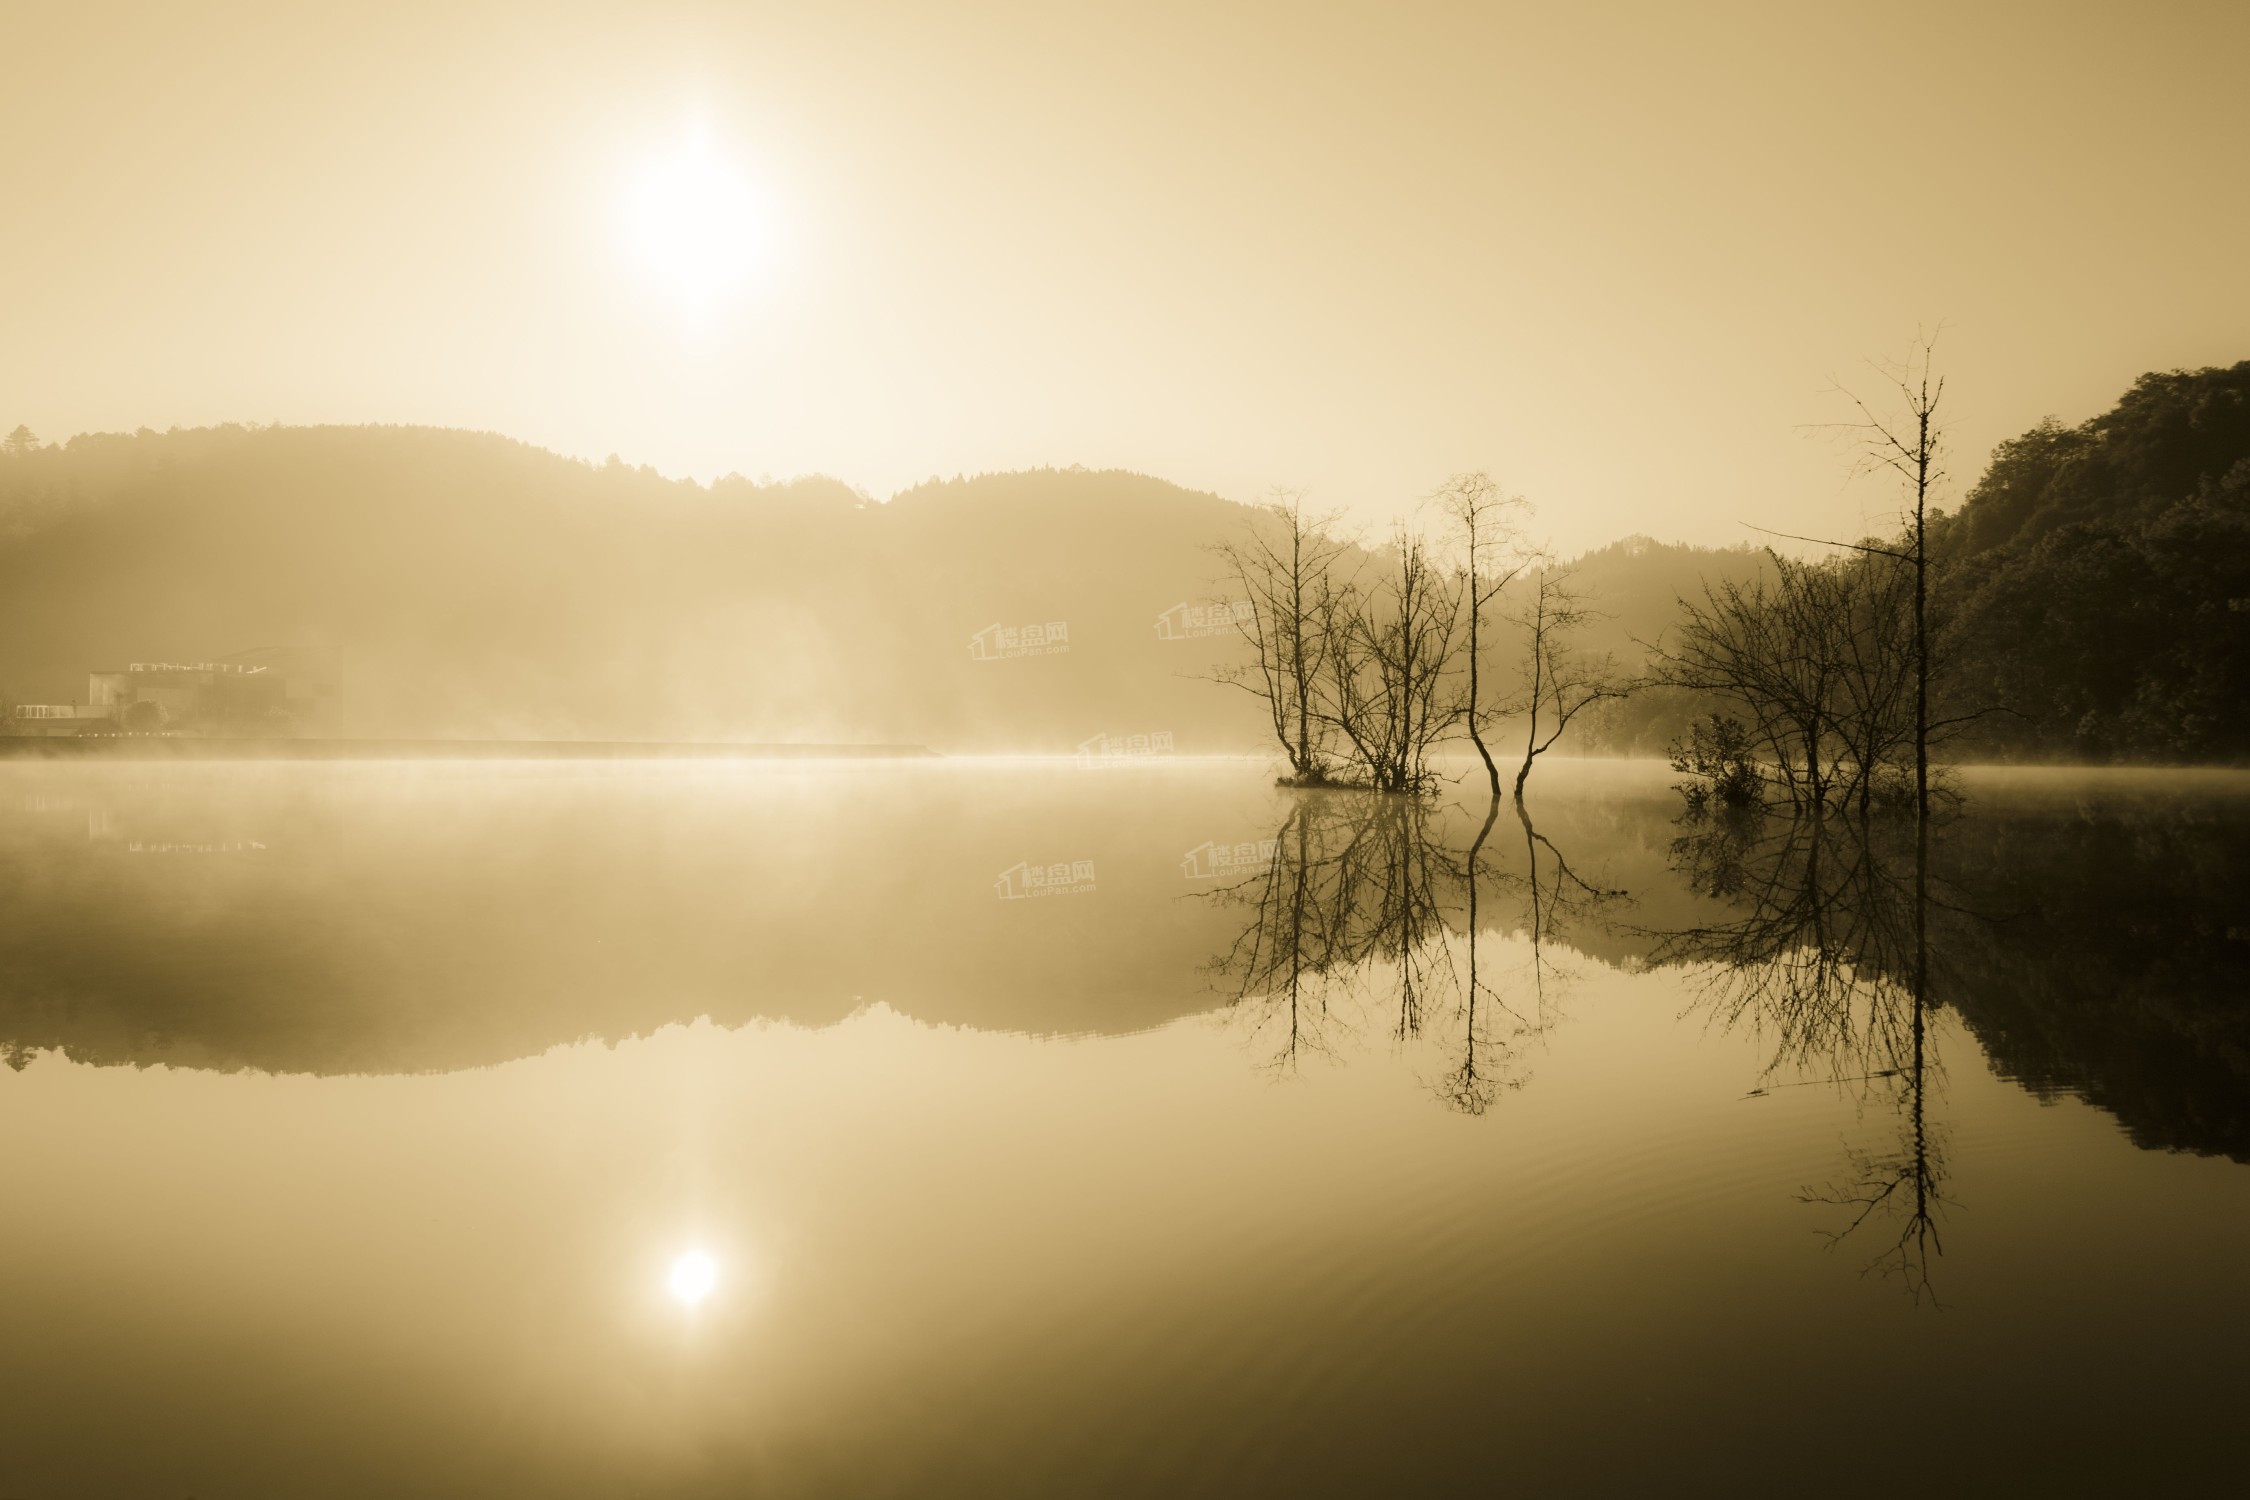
(1489, 523)
(1560, 681)
(1758, 645)
(1816, 656)
(1285, 565)
(1390, 650)
(1910, 444)
(1907, 441)
(1824, 661)
(1871, 631)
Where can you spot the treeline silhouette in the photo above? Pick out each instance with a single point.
(2089, 601)
(2097, 580)
(458, 584)
(2092, 593)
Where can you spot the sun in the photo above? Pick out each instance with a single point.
(694, 1277)
(696, 227)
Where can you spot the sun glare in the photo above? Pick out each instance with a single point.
(696, 226)
(694, 1277)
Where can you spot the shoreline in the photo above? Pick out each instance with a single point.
(162, 747)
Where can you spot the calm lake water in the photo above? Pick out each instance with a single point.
(1025, 1129)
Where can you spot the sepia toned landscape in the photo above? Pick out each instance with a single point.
(971, 750)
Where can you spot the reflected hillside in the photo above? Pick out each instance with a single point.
(1838, 943)
(2117, 968)
(2087, 947)
(370, 918)
(2086, 929)
(373, 919)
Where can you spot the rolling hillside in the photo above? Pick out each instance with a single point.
(458, 584)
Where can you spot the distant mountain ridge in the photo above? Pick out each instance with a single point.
(456, 583)
(453, 583)
(2094, 587)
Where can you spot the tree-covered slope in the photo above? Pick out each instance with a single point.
(460, 584)
(2097, 581)
(453, 583)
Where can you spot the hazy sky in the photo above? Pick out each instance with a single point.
(1613, 253)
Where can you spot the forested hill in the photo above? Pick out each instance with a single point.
(451, 583)
(2096, 583)
(2097, 578)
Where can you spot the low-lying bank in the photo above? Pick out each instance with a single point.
(185, 747)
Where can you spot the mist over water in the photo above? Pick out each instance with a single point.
(1116, 751)
(366, 1099)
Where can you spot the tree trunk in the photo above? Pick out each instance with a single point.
(1476, 735)
(1921, 616)
(1538, 664)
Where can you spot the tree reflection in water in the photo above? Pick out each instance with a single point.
(1365, 910)
(1826, 956)
(2101, 955)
